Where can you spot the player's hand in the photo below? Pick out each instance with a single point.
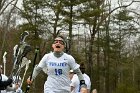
(17, 85)
(29, 81)
(94, 91)
(83, 90)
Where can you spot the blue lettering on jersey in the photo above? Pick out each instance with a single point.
(58, 64)
(55, 64)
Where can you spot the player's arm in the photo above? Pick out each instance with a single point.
(36, 71)
(83, 86)
(6, 83)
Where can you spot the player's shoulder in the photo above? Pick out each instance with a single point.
(68, 55)
(48, 54)
(85, 75)
(4, 77)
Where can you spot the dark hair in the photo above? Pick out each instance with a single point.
(82, 65)
(60, 36)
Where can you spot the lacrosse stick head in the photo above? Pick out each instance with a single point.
(5, 53)
(26, 50)
(15, 50)
(23, 36)
(27, 64)
(24, 61)
(4, 58)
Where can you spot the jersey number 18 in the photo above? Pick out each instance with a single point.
(58, 71)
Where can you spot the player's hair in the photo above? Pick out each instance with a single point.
(60, 36)
(82, 65)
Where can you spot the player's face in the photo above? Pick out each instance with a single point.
(58, 45)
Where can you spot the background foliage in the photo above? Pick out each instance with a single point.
(102, 34)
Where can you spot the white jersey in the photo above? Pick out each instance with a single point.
(58, 72)
(76, 83)
(17, 91)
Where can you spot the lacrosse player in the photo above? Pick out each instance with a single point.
(58, 65)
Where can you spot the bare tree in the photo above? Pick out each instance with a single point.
(6, 5)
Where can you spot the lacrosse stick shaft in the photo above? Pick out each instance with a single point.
(68, 45)
(27, 66)
(34, 61)
(4, 61)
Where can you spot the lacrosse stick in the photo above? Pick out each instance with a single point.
(23, 63)
(20, 51)
(4, 61)
(68, 45)
(28, 86)
(26, 68)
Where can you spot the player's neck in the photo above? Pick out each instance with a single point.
(58, 54)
